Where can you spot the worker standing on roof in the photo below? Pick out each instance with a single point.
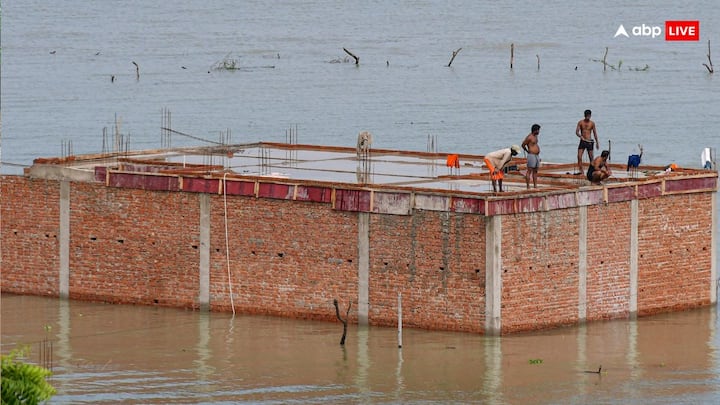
(496, 162)
(586, 130)
(532, 149)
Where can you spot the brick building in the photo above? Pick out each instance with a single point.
(284, 230)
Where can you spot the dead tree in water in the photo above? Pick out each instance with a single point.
(344, 321)
(453, 56)
(512, 55)
(357, 60)
(604, 60)
(605, 63)
(709, 67)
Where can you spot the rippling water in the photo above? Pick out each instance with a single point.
(115, 353)
(58, 60)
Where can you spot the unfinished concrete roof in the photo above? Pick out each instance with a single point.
(312, 164)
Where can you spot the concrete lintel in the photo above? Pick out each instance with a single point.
(62, 173)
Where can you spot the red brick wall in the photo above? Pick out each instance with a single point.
(30, 235)
(540, 270)
(286, 258)
(608, 260)
(437, 261)
(675, 245)
(293, 258)
(134, 246)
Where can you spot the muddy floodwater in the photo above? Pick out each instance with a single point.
(103, 354)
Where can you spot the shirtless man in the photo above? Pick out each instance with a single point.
(531, 147)
(585, 128)
(598, 169)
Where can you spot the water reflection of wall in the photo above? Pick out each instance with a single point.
(104, 350)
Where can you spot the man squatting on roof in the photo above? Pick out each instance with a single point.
(599, 169)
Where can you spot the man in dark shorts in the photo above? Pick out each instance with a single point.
(598, 169)
(586, 131)
(531, 147)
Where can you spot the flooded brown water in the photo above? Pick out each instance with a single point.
(105, 353)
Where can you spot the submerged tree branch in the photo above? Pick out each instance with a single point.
(709, 67)
(344, 321)
(357, 60)
(454, 54)
(512, 55)
(604, 60)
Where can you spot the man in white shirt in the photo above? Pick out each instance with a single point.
(496, 162)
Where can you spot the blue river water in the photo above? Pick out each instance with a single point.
(75, 69)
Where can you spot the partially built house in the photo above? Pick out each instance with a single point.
(285, 229)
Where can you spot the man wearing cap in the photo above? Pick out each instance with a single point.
(496, 162)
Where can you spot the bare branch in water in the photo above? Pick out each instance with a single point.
(454, 54)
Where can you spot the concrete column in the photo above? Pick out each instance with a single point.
(64, 287)
(493, 275)
(363, 267)
(713, 251)
(582, 264)
(204, 293)
(633, 258)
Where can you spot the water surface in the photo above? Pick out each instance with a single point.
(116, 353)
(68, 73)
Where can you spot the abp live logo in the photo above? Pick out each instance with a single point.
(682, 30)
(675, 30)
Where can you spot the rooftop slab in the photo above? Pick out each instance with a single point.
(384, 169)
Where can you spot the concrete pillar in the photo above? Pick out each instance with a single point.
(633, 258)
(204, 293)
(493, 275)
(713, 251)
(582, 264)
(64, 279)
(363, 267)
